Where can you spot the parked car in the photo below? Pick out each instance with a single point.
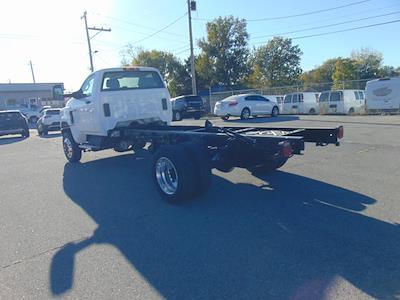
(50, 121)
(245, 106)
(342, 102)
(300, 103)
(190, 106)
(13, 122)
(383, 95)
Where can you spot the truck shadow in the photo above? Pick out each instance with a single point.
(10, 140)
(289, 238)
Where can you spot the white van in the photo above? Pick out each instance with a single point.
(276, 98)
(342, 102)
(383, 95)
(300, 103)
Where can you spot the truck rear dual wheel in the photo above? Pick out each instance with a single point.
(181, 172)
(71, 149)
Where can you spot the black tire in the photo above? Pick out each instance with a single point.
(351, 111)
(71, 149)
(25, 134)
(33, 119)
(182, 174)
(44, 130)
(312, 111)
(225, 118)
(245, 114)
(275, 111)
(197, 116)
(202, 167)
(268, 167)
(177, 115)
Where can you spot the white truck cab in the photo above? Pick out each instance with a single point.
(116, 98)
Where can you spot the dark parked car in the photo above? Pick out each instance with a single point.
(13, 122)
(187, 106)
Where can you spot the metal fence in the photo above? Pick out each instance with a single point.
(213, 97)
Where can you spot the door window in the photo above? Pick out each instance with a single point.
(287, 99)
(357, 95)
(251, 98)
(295, 98)
(324, 97)
(335, 96)
(87, 86)
(261, 98)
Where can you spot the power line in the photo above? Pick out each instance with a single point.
(140, 25)
(344, 30)
(325, 26)
(163, 28)
(308, 13)
(337, 17)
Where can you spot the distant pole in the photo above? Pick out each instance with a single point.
(88, 41)
(33, 75)
(88, 38)
(190, 8)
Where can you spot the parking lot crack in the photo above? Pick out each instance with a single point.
(17, 262)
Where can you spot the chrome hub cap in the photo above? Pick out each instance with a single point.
(68, 150)
(166, 175)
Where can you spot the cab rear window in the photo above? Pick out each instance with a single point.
(131, 80)
(52, 112)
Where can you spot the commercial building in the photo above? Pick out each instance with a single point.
(31, 95)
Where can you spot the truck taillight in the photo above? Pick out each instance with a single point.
(287, 150)
(340, 132)
(233, 103)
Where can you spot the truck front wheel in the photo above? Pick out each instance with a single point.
(173, 173)
(71, 149)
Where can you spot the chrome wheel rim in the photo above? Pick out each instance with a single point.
(275, 111)
(177, 116)
(166, 175)
(246, 114)
(68, 150)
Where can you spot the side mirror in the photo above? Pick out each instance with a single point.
(77, 95)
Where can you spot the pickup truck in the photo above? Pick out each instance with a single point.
(127, 109)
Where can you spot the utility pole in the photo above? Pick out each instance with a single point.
(33, 75)
(89, 38)
(192, 6)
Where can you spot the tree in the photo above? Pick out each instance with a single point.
(224, 52)
(320, 78)
(368, 63)
(170, 67)
(389, 71)
(345, 69)
(275, 64)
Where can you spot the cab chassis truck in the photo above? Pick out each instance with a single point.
(183, 156)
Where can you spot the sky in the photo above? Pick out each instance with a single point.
(51, 33)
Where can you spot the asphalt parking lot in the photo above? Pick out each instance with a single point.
(325, 226)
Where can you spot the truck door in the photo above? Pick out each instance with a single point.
(336, 103)
(85, 113)
(287, 103)
(295, 104)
